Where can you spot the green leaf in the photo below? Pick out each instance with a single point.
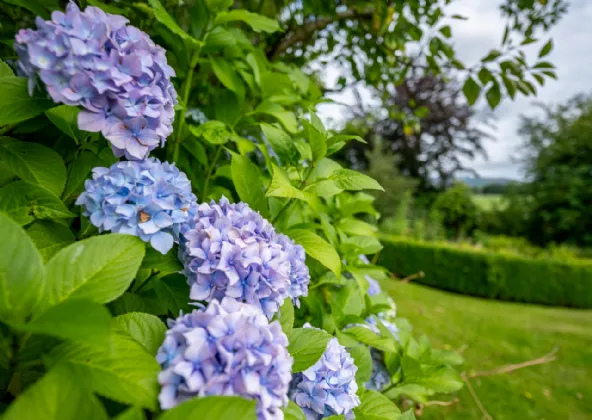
(342, 138)
(167, 20)
(218, 5)
(543, 65)
(485, 76)
(353, 226)
(361, 245)
(317, 248)
(446, 31)
(5, 70)
(15, 103)
(375, 406)
(124, 371)
(146, 329)
(366, 336)
(214, 132)
(546, 49)
(217, 408)
(293, 412)
(132, 413)
(247, 182)
(21, 272)
(24, 202)
(100, 269)
(35, 163)
(282, 187)
(79, 171)
(363, 360)
(510, 86)
(173, 292)
(471, 90)
(493, 95)
(307, 345)
(280, 141)
(350, 180)
(287, 316)
(257, 22)
(65, 118)
(77, 320)
(56, 396)
(49, 237)
(407, 415)
(493, 54)
(323, 188)
(446, 357)
(227, 76)
(162, 264)
(317, 140)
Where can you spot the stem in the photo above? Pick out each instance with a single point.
(211, 171)
(277, 216)
(185, 98)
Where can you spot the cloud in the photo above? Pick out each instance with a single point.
(483, 31)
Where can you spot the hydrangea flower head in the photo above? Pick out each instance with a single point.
(229, 348)
(146, 198)
(112, 70)
(374, 287)
(329, 386)
(299, 274)
(229, 250)
(380, 377)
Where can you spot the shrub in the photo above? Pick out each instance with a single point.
(456, 210)
(489, 274)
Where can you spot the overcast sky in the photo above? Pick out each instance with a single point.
(483, 31)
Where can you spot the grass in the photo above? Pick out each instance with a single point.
(491, 334)
(489, 201)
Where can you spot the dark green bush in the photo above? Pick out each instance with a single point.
(492, 274)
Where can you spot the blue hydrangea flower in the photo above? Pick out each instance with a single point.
(114, 71)
(147, 198)
(229, 250)
(329, 386)
(299, 274)
(374, 288)
(380, 377)
(230, 348)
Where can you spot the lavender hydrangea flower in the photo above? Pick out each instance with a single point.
(147, 198)
(299, 274)
(229, 250)
(230, 348)
(329, 386)
(114, 71)
(374, 288)
(380, 377)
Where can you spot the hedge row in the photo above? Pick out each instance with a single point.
(491, 274)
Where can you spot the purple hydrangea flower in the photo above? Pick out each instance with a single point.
(114, 71)
(230, 348)
(299, 274)
(329, 386)
(229, 250)
(380, 377)
(147, 198)
(374, 287)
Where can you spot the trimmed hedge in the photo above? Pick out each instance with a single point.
(491, 274)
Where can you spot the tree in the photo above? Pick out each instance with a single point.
(456, 210)
(558, 156)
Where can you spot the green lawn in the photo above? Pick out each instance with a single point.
(497, 333)
(488, 201)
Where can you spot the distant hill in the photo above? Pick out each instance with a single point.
(482, 182)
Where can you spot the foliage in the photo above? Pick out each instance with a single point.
(558, 155)
(490, 274)
(491, 334)
(456, 210)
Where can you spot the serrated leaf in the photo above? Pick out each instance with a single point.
(100, 269)
(162, 264)
(257, 22)
(77, 320)
(363, 360)
(35, 163)
(361, 245)
(317, 140)
(282, 187)
(173, 292)
(124, 371)
(24, 202)
(231, 408)
(65, 117)
(167, 20)
(214, 132)
(228, 76)
(375, 406)
(280, 142)
(247, 182)
(15, 103)
(146, 329)
(471, 90)
(351, 180)
(366, 336)
(78, 172)
(49, 237)
(307, 345)
(287, 316)
(56, 396)
(317, 248)
(21, 272)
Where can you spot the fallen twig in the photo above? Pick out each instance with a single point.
(418, 275)
(547, 358)
(486, 415)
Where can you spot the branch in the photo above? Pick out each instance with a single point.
(547, 358)
(305, 32)
(419, 275)
(486, 415)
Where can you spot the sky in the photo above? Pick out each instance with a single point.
(482, 31)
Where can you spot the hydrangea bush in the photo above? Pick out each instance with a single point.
(218, 276)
